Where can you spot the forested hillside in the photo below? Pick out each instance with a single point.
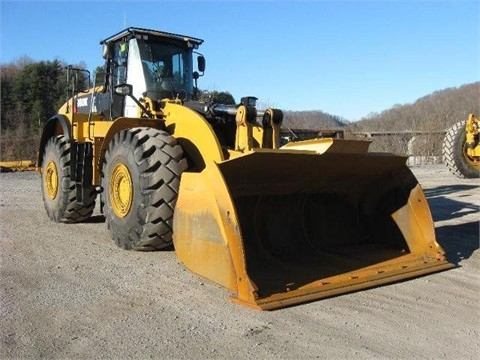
(430, 115)
(433, 112)
(313, 119)
(32, 92)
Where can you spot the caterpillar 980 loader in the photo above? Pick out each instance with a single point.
(275, 226)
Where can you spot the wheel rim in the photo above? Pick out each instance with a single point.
(121, 190)
(51, 180)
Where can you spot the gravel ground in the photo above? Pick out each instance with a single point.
(67, 292)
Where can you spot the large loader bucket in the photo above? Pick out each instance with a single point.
(281, 227)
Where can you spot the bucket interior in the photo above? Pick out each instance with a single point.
(310, 218)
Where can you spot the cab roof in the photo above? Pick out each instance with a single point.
(134, 31)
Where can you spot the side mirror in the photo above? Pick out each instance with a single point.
(107, 51)
(201, 63)
(123, 90)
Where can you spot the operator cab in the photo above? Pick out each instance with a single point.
(157, 64)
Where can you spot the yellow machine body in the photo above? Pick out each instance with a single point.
(472, 130)
(276, 226)
(461, 148)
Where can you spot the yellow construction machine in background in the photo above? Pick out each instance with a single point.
(274, 225)
(461, 148)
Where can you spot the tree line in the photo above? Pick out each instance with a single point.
(312, 120)
(432, 114)
(32, 92)
(436, 111)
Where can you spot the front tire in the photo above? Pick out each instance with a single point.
(141, 178)
(454, 153)
(59, 192)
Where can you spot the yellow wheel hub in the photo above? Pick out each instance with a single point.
(471, 160)
(121, 190)
(51, 180)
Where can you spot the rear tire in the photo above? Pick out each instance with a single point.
(141, 178)
(59, 192)
(455, 155)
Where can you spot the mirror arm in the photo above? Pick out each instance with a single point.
(141, 106)
(129, 93)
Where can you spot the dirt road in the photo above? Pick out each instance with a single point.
(67, 292)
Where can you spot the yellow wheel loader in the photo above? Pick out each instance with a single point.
(276, 226)
(461, 148)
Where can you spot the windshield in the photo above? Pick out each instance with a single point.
(167, 68)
